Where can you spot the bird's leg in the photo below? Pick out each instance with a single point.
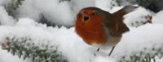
(96, 51)
(111, 50)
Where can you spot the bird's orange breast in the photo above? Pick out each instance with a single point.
(92, 31)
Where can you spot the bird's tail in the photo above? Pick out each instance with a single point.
(125, 10)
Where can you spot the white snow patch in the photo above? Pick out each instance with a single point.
(137, 17)
(8, 57)
(55, 12)
(77, 5)
(107, 5)
(5, 19)
(104, 59)
(159, 59)
(158, 18)
(103, 4)
(5, 2)
(147, 36)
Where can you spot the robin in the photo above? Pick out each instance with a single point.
(101, 28)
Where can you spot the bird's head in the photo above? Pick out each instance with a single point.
(89, 25)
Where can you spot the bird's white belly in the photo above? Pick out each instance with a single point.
(112, 41)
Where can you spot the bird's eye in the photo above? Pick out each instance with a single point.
(86, 18)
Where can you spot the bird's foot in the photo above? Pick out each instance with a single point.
(97, 51)
(111, 50)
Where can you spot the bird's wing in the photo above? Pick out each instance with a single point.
(115, 26)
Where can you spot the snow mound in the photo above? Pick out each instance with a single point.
(104, 59)
(76, 50)
(140, 41)
(5, 19)
(158, 18)
(55, 12)
(137, 18)
(7, 57)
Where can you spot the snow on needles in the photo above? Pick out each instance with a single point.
(7, 57)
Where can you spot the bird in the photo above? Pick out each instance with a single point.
(100, 28)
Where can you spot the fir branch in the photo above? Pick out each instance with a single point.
(146, 55)
(14, 5)
(23, 47)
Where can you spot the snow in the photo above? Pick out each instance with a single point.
(5, 19)
(28, 10)
(107, 5)
(158, 59)
(135, 18)
(7, 57)
(104, 59)
(75, 49)
(5, 2)
(147, 36)
(68, 42)
(103, 4)
(77, 5)
(158, 18)
(35, 9)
